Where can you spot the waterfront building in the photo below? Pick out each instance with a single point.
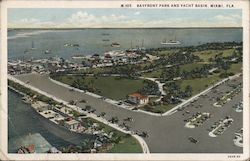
(72, 124)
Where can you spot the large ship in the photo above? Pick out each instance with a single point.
(170, 42)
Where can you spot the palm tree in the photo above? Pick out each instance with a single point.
(88, 107)
(114, 119)
(102, 114)
(144, 134)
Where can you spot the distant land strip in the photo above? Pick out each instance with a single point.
(126, 28)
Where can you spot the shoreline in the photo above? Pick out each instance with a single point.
(142, 143)
(34, 107)
(56, 135)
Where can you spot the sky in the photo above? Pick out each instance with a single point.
(122, 18)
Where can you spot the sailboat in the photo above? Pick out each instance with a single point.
(26, 51)
(170, 42)
(33, 46)
(47, 51)
(142, 45)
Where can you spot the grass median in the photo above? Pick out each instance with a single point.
(111, 87)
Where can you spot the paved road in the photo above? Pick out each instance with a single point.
(167, 134)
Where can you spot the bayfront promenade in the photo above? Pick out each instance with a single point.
(165, 132)
(143, 144)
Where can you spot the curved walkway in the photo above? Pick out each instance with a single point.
(160, 85)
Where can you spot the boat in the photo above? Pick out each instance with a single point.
(115, 44)
(170, 42)
(26, 51)
(47, 51)
(105, 34)
(67, 44)
(78, 57)
(33, 46)
(71, 45)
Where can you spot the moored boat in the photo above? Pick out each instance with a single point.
(115, 44)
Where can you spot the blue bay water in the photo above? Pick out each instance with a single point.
(24, 121)
(91, 40)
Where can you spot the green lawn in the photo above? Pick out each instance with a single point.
(117, 88)
(235, 68)
(187, 67)
(167, 52)
(127, 145)
(153, 74)
(110, 87)
(205, 55)
(199, 84)
(191, 66)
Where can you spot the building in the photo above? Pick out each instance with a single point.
(72, 124)
(137, 98)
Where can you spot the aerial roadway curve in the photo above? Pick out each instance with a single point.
(166, 134)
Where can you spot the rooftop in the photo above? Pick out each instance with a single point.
(138, 95)
(71, 122)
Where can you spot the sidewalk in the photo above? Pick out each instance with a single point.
(140, 140)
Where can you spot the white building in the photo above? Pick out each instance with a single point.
(72, 124)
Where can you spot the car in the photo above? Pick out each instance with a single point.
(135, 108)
(192, 140)
(128, 119)
(103, 98)
(83, 101)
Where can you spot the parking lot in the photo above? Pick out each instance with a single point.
(166, 134)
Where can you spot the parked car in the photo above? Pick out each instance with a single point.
(192, 140)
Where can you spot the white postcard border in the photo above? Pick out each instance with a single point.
(243, 4)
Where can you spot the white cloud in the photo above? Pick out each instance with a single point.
(228, 17)
(80, 17)
(85, 19)
(29, 20)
